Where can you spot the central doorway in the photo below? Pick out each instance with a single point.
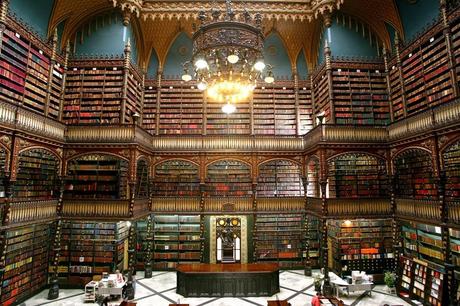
(228, 239)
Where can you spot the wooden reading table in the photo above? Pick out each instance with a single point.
(220, 280)
(278, 303)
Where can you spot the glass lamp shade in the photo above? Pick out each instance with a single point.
(202, 85)
(269, 79)
(201, 64)
(233, 58)
(228, 108)
(259, 65)
(186, 77)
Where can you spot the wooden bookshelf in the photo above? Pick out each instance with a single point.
(314, 238)
(363, 245)
(25, 74)
(396, 91)
(37, 175)
(423, 241)
(422, 281)
(280, 178)
(25, 259)
(305, 108)
(355, 175)
(141, 242)
(219, 123)
(321, 94)
(93, 94)
(425, 71)
(360, 95)
(414, 175)
(177, 240)
(280, 239)
(149, 115)
(228, 178)
(455, 247)
(313, 189)
(96, 176)
(181, 108)
(90, 248)
(134, 89)
(451, 160)
(176, 178)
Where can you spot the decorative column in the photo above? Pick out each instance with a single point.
(202, 239)
(64, 77)
(450, 53)
(328, 59)
(129, 291)
(313, 112)
(307, 263)
(3, 14)
(295, 76)
(124, 94)
(401, 81)
(50, 72)
(141, 117)
(157, 115)
(254, 227)
(327, 288)
(53, 292)
(148, 255)
(387, 78)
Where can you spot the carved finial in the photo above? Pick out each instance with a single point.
(202, 16)
(247, 16)
(215, 14)
(230, 12)
(126, 17)
(258, 20)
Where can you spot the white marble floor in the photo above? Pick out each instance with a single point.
(161, 290)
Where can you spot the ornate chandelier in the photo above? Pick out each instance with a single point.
(227, 57)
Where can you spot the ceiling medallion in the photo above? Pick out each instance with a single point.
(227, 57)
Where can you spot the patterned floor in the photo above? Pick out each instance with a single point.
(161, 290)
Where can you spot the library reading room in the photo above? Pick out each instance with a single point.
(230, 152)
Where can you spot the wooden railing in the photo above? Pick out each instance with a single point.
(31, 210)
(228, 204)
(108, 134)
(423, 209)
(453, 212)
(95, 208)
(437, 117)
(165, 204)
(281, 204)
(226, 143)
(141, 207)
(19, 118)
(314, 205)
(358, 207)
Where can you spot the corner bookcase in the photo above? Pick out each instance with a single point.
(90, 248)
(364, 245)
(25, 270)
(37, 175)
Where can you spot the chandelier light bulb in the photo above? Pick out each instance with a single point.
(228, 108)
(186, 77)
(233, 58)
(201, 64)
(202, 85)
(259, 65)
(269, 79)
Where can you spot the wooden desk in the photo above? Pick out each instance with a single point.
(278, 303)
(218, 280)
